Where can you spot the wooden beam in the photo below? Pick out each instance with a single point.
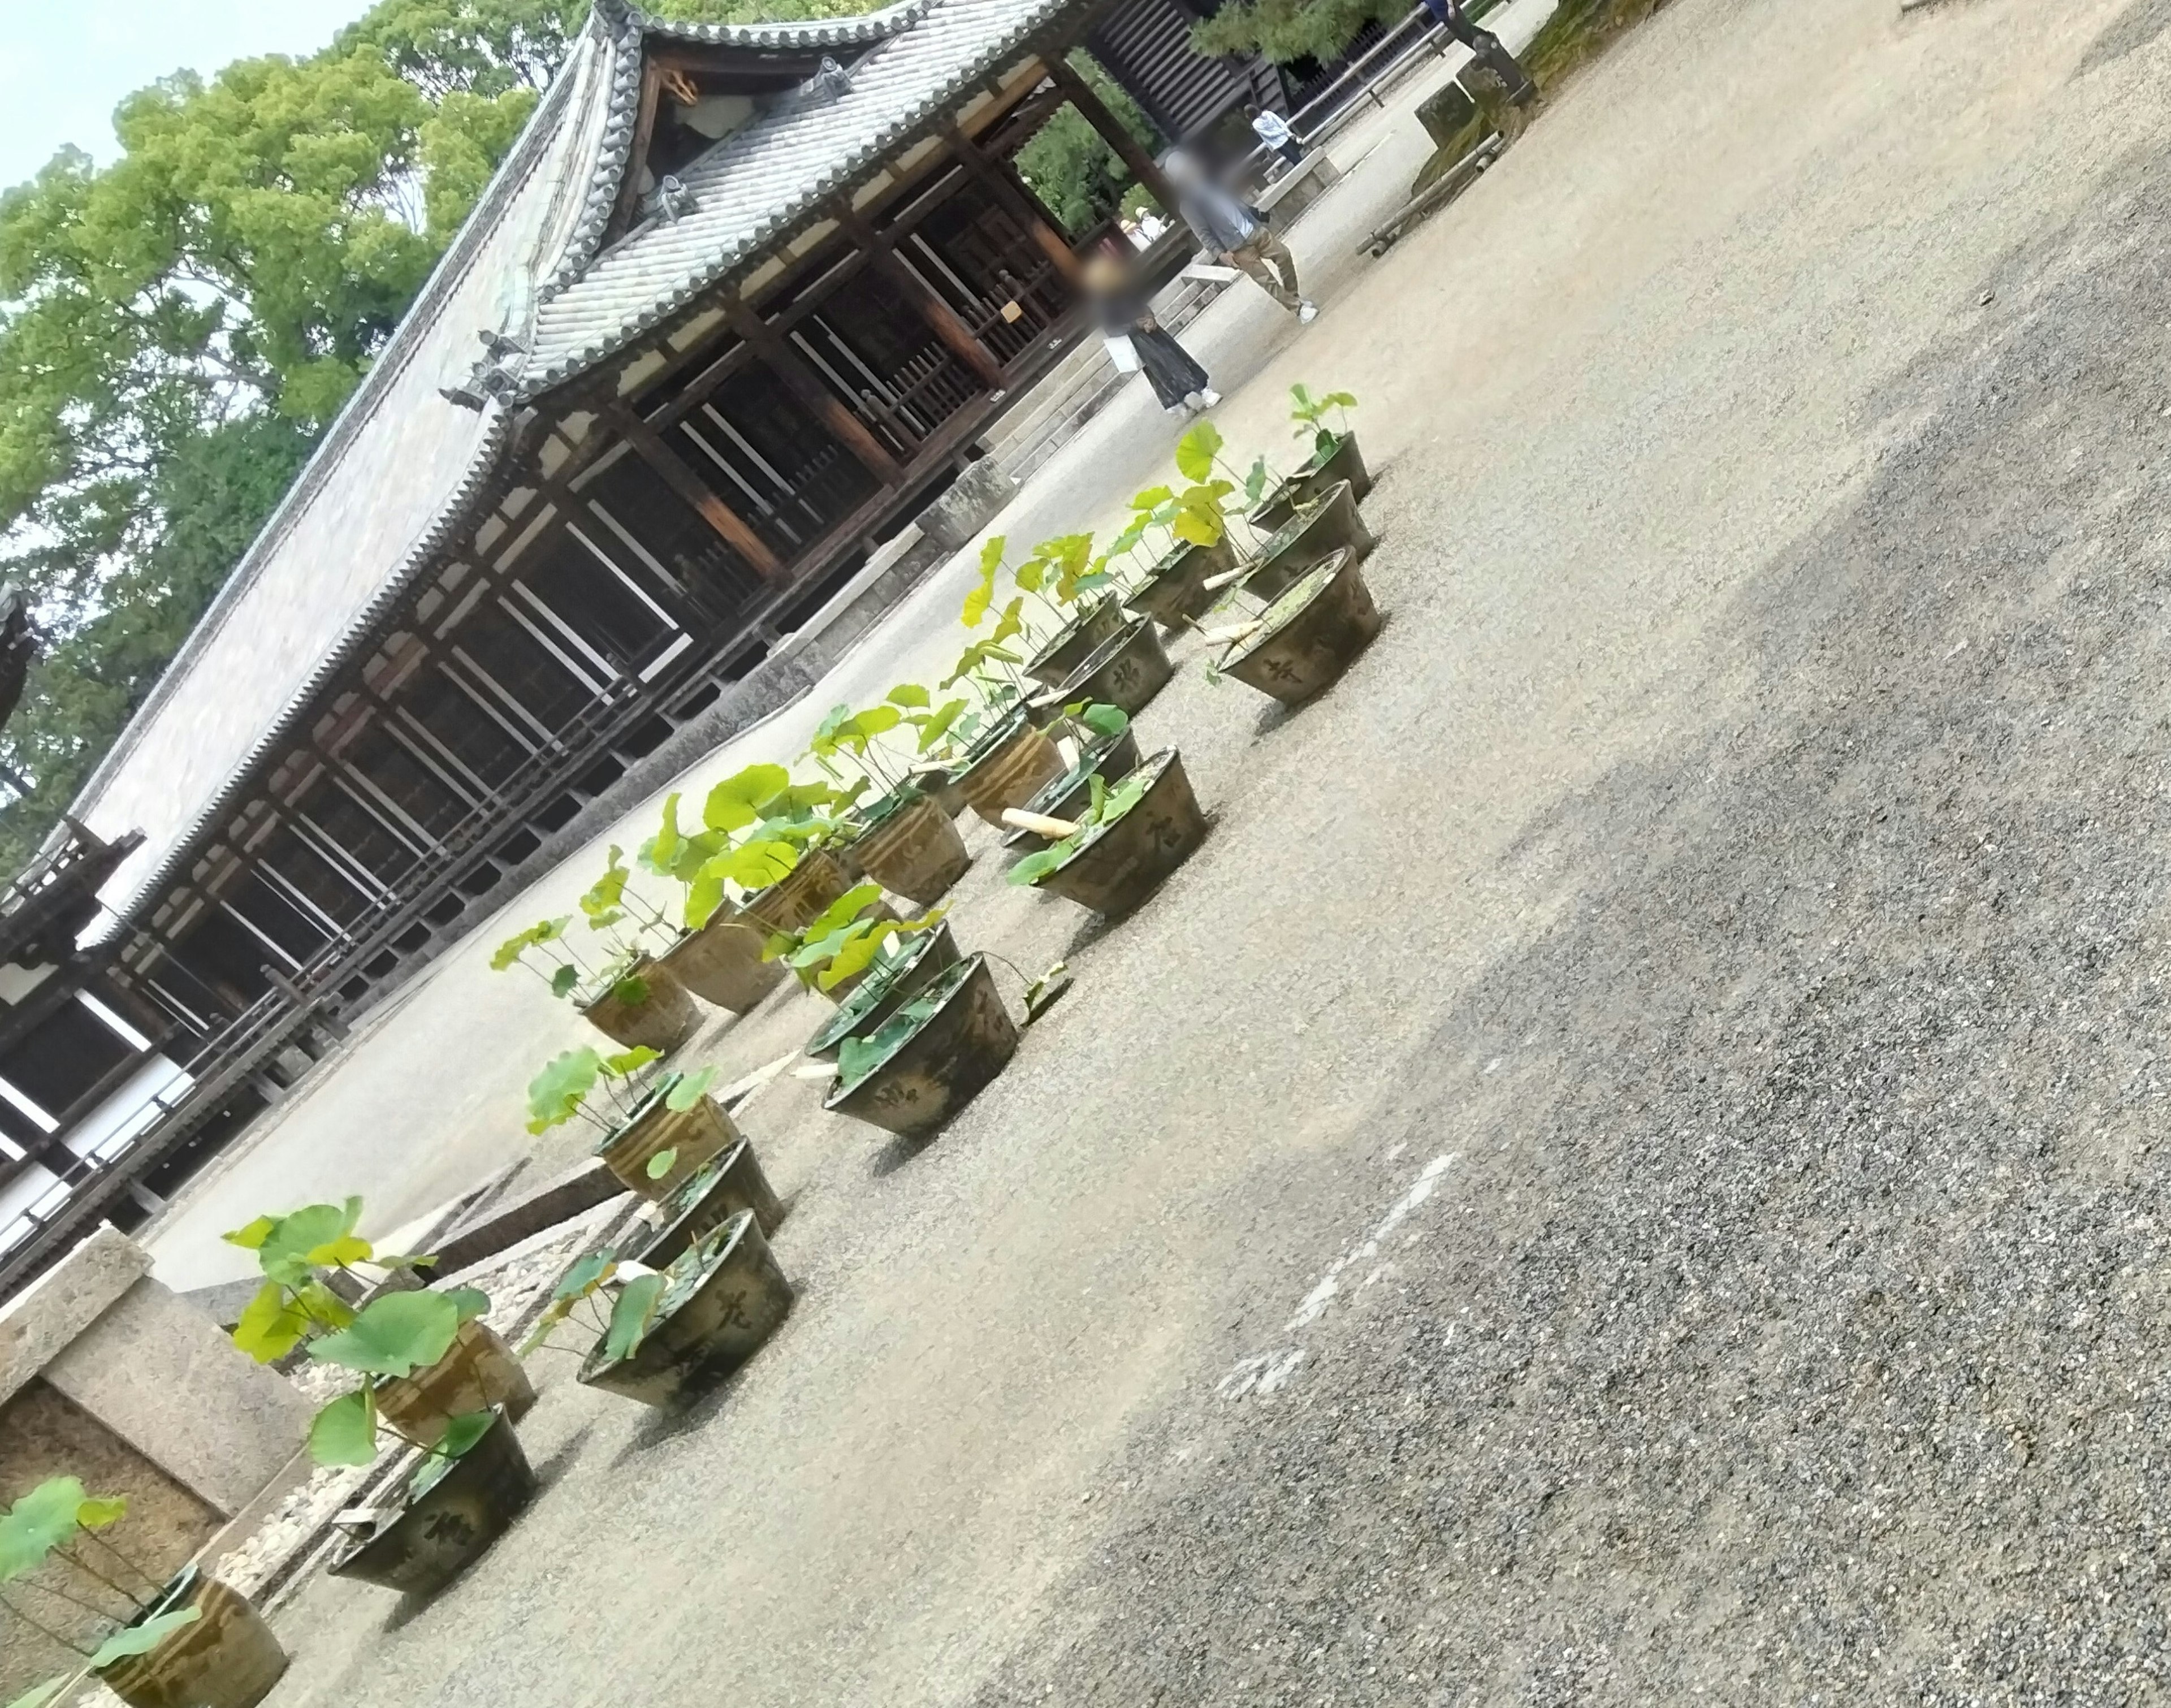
(940, 318)
(800, 378)
(1003, 184)
(1114, 132)
(674, 472)
(644, 127)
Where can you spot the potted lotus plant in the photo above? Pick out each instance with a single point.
(154, 1642)
(436, 1380)
(458, 1495)
(654, 1136)
(879, 965)
(1001, 759)
(1107, 748)
(1321, 524)
(901, 839)
(930, 1058)
(625, 993)
(1051, 577)
(838, 950)
(1130, 836)
(1189, 526)
(719, 955)
(1332, 457)
(667, 1333)
(1298, 643)
(426, 1355)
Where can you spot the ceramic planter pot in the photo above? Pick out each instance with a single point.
(726, 1294)
(1345, 462)
(942, 1064)
(698, 1134)
(884, 991)
(1311, 632)
(721, 962)
(1012, 768)
(731, 1183)
(1174, 592)
(1293, 491)
(1120, 864)
(1097, 618)
(434, 1536)
(939, 786)
(799, 896)
(914, 852)
(478, 1373)
(663, 1017)
(1127, 670)
(1111, 759)
(228, 1658)
(1328, 524)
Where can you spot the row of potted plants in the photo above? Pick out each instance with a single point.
(1279, 557)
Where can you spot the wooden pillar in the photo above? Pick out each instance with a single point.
(774, 350)
(940, 318)
(1114, 132)
(673, 471)
(1002, 181)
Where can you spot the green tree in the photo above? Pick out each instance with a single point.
(1281, 31)
(1077, 176)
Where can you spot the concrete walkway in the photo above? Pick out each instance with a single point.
(1628, 1167)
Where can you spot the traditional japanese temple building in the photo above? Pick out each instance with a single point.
(741, 302)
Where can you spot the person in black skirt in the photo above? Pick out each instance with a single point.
(1121, 311)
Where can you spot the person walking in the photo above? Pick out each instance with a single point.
(1228, 230)
(1275, 132)
(1491, 52)
(1124, 317)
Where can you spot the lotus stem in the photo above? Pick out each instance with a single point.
(83, 1565)
(1229, 636)
(45, 1631)
(1227, 578)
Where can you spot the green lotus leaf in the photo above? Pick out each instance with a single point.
(689, 1090)
(141, 1639)
(43, 1520)
(345, 1433)
(585, 1276)
(1196, 451)
(630, 1315)
(394, 1335)
(271, 1325)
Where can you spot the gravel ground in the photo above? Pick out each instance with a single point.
(1623, 1170)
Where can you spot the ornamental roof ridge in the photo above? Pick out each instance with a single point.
(627, 30)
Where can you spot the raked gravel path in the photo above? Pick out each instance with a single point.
(1627, 1169)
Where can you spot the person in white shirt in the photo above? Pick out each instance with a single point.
(1274, 131)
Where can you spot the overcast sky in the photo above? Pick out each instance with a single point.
(66, 64)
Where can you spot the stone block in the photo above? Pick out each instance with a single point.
(158, 1373)
(41, 1321)
(974, 499)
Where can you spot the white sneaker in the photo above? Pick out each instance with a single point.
(1208, 398)
(1307, 312)
(1193, 402)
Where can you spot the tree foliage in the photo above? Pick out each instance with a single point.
(1281, 31)
(177, 329)
(1078, 177)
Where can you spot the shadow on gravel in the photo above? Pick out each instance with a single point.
(1794, 1324)
(409, 1608)
(2133, 29)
